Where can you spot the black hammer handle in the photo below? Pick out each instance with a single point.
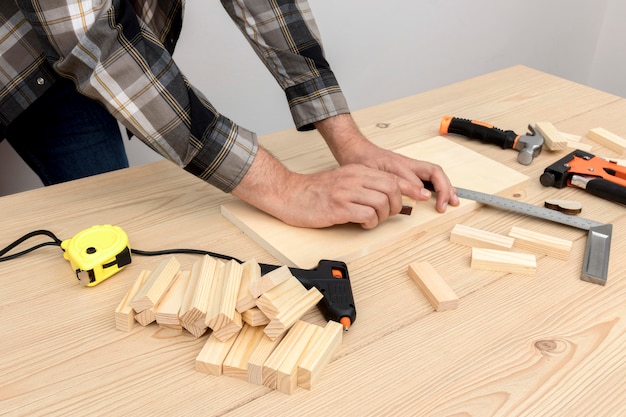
(474, 129)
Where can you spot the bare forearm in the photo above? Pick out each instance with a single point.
(266, 184)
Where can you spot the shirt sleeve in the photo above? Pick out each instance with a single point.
(284, 35)
(115, 58)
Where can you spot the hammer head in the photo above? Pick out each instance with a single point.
(529, 146)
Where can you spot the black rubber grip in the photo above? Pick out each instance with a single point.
(481, 131)
(606, 189)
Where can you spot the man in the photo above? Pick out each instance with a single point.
(118, 54)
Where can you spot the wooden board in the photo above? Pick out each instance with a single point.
(304, 248)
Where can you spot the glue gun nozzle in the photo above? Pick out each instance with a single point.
(345, 321)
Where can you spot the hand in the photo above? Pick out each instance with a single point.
(349, 146)
(349, 194)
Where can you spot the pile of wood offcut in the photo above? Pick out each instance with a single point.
(254, 323)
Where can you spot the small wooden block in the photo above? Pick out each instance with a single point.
(570, 137)
(273, 301)
(470, 236)
(321, 351)
(124, 313)
(187, 302)
(497, 260)
(156, 285)
(408, 204)
(269, 281)
(226, 320)
(565, 206)
(287, 380)
(574, 142)
(254, 317)
(579, 145)
(236, 362)
(145, 317)
(280, 370)
(608, 139)
(250, 272)
(540, 242)
(258, 357)
(203, 273)
(553, 139)
(211, 357)
(433, 286)
(293, 312)
(214, 295)
(166, 312)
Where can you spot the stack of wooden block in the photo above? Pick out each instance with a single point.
(254, 322)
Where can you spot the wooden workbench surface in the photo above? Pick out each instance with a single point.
(516, 345)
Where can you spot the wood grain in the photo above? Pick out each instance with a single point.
(350, 241)
(550, 345)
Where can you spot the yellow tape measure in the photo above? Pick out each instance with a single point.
(97, 253)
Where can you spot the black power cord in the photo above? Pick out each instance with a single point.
(57, 242)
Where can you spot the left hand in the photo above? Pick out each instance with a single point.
(349, 146)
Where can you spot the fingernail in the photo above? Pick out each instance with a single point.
(425, 192)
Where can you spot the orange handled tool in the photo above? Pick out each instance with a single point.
(528, 145)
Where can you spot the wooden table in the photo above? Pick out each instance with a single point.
(516, 345)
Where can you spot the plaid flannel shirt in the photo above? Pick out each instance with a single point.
(119, 52)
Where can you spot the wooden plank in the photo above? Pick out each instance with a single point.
(433, 286)
(124, 313)
(473, 237)
(498, 260)
(553, 139)
(608, 139)
(156, 285)
(349, 242)
(321, 351)
(541, 242)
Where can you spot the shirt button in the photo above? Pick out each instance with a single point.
(41, 81)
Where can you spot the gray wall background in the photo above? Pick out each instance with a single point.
(384, 51)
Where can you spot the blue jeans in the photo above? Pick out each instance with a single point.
(65, 136)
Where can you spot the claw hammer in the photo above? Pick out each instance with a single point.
(528, 146)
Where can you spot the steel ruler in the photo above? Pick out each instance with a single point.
(598, 246)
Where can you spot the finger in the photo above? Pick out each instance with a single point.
(446, 194)
(379, 202)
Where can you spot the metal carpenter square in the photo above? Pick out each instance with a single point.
(598, 247)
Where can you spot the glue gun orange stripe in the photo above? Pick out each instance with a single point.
(345, 321)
